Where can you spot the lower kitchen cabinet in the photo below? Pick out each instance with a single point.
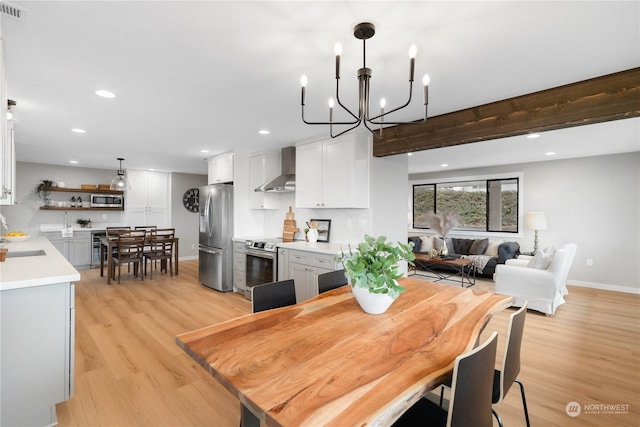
(77, 249)
(37, 353)
(304, 267)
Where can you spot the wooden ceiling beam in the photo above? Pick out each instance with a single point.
(601, 99)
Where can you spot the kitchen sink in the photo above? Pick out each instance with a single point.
(19, 254)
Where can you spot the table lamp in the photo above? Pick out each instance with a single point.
(536, 221)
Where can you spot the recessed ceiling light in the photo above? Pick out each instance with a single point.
(550, 153)
(533, 136)
(151, 169)
(73, 162)
(264, 132)
(105, 94)
(77, 130)
(204, 151)
(444, 165)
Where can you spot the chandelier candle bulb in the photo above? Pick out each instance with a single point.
(303, 84)
(425, 82)
(413, 50)
(338, 51)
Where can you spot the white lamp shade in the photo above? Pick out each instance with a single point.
(536, 221)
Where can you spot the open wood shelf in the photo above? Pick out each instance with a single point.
(69, 208)
(84, 190)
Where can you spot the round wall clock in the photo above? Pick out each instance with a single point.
(190, 200)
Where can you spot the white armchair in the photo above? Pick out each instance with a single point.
(544, 289)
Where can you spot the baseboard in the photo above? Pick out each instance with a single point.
(188, 258)
(604, 286)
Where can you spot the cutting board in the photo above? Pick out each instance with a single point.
(289, 228)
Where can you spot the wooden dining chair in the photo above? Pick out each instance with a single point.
(130, 251)
(159, 248)
(331, 280)
(470, 403)
(273, 295)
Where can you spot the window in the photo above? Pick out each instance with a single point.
(489, 205)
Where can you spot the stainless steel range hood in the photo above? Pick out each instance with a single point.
(286, 182)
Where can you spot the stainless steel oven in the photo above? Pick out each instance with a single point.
(261, 263)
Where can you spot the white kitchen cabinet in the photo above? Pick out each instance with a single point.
(333, 173)
(304, 267)
(262, 169)
(37, 353)
(7, 147)
(239, 268)
(147, 201)
(221, 169)
(77, 249)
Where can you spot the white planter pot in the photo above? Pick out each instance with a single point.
(312, 235)
(371, 303)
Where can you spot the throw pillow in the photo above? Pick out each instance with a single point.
(542, 259)
(426, 243)
(479, 246)
(492, 247)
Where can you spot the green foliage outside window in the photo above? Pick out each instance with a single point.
(471, 201)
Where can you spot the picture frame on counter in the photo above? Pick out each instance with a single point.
(324, 228)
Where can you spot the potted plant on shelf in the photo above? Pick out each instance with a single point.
(43, 191)
(372, 271)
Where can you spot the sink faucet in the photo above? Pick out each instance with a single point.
(66, 220)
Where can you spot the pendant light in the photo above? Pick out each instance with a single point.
(120, 181)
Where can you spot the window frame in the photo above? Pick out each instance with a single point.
(519, 176)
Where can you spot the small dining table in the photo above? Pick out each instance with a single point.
(108, 243)
(327, 362)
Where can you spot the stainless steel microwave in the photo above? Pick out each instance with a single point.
(107, 201)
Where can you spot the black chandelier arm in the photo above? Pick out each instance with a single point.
(344, 131)
(356, 122)
(358, 119)
(371, 120)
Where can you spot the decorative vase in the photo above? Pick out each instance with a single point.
(371, 303)
(312, 235)
(444, 251)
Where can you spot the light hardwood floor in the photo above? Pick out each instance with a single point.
(129, 371)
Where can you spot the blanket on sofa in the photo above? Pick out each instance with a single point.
(480, 261)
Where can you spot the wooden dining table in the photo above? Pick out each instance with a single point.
(325, 362)
(107, 244)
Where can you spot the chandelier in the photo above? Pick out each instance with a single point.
(364, 31)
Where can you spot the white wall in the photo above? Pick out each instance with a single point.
(185, 222)
(591, 201)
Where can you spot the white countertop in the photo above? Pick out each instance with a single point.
(76, 227)
(24, 272)
(318, 247)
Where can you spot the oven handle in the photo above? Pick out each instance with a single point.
(260, 254)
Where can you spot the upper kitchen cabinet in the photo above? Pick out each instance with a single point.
(147, 203)
(263, 168)
(7, 152)
(221, 169)
(333, 173)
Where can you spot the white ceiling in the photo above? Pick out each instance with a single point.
(209, 75)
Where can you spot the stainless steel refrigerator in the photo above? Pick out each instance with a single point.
(216, 232)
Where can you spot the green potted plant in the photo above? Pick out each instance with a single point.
(372, 271)
(43, 191)
(83, 222)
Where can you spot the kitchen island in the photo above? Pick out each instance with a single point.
(37, 332)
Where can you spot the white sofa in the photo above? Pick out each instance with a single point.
(543, 288)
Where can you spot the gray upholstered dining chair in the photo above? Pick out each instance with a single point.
(470, 403)
(508, 373)
(331, 280)
(273, 295)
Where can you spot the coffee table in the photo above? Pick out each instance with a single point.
(462, 267)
